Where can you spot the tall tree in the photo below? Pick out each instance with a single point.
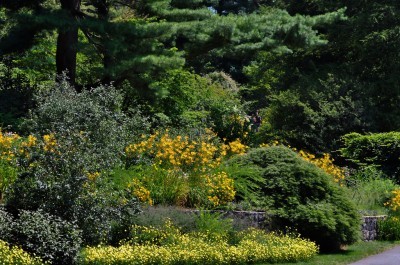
(67, 40)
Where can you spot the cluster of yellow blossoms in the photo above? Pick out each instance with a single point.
(394, 203)
(140, 191)
(183, 156)
(255, 246)
(14, 147)
(8, 142)
(14, 255)
(325, 162)
(183, 153)
(220, 188)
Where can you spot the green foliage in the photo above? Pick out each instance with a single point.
(104, 214)
(214, 226)
(60, 173)
(314, 118)
(48, 237)
(16, 95)
(192, 101)
(389, 229)
(6, 225)
(247, 180)
(381, 150)
(304, 197)
(370, 189)
(93, 115)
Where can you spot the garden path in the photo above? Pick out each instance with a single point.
(389, 257)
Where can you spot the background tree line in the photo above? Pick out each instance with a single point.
(316, 69)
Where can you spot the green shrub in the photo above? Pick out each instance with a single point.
(381, 150)
(304, 197)
(49, 237)
(79, 137)
(193, 101)
(6, 225)
(389, 229)
(16, 256)
(105, 215)
(96, 115)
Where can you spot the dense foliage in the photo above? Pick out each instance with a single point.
(380, 150)
(107, 106)
(304, 197)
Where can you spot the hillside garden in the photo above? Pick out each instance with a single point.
(119, 119)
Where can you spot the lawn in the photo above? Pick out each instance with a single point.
(353, 253)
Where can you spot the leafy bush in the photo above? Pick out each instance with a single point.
(52, 239)
(96, 115)
(6, 225)
(389, 229)
(193, 101)
(380, 149)
(16, 256)
(104, 214)
(48, 237)
(77, 138)
(304, 197)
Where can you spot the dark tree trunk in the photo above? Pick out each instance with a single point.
(67, 42)
(103, 13)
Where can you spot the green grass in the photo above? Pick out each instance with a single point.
(353, 253)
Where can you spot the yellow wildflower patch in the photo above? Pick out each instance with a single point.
(394, 203)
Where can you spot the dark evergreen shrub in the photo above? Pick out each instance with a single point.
(304, 197)
(380, 150)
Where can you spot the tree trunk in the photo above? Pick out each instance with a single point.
(67, 42)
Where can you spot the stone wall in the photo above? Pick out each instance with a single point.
(369, 227)
(263, 221)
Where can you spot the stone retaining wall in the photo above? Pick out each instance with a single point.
(369, 227)
(263, 221)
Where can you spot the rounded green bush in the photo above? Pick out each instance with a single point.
(303, 197)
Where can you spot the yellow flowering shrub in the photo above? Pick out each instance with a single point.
(220, 188)
(325, 163)
(173, 247)
(187, 165)
(182, 153)
(177, 152)
(49, 143)
(16, 256)
(8, 167)
(394, 203)
(141, 192)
